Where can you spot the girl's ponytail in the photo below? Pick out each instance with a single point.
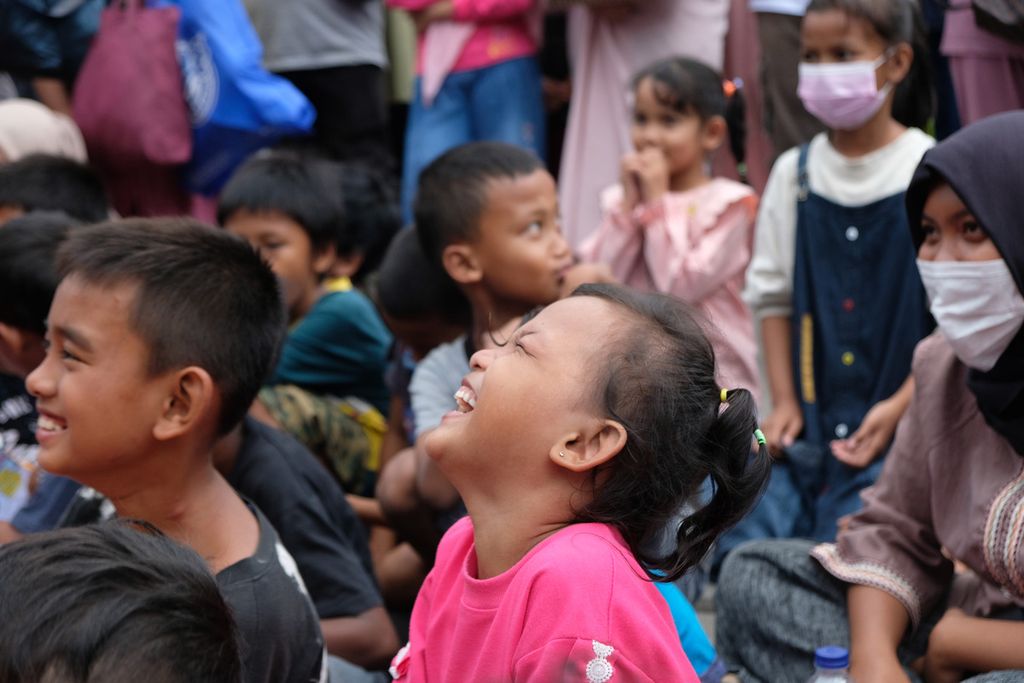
(737, 480)
(682, 430)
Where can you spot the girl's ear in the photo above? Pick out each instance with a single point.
(899, 63)
(714, 133)
(583, 451)
(460, 263)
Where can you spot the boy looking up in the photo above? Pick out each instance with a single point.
(160, 334)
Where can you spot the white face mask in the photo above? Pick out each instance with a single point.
(977, 305)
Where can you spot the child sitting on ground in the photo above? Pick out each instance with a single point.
(30, 499)
(669, 226)
(328, 387)
(487, 215)
(44, 183)
(160, 334)
(573, 445)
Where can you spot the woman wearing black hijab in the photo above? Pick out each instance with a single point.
(953, 484)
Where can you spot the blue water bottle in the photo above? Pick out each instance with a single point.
(831, 665)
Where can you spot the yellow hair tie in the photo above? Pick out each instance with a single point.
(724, 395)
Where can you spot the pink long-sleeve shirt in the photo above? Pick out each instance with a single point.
(577, 607)
(502, 31)
(695, 245)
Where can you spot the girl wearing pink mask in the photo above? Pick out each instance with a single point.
(953, 484)
(832, 279)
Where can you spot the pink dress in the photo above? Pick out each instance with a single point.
(577, 607)
(695, 245)
(604, 57)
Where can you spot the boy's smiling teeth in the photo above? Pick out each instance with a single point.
(465, 399)
(49, 425)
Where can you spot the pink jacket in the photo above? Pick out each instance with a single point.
(577, 607)
(694, 245)
(483, 33)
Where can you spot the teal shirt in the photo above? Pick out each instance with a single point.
(340, 348)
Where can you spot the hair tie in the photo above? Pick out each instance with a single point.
(728, 87)
(724, 396)
(759, 435)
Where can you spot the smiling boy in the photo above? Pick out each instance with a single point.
(159, 337)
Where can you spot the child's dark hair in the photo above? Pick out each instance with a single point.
(107, 602)
(28, 267)
(305, 190)
(452, 190)
(410, 287)
(897, 21)
(692, 87)
(49, 183)
(660, 385)
(204, 298)
(372, 215)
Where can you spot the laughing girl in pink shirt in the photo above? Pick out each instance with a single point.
(572, 446)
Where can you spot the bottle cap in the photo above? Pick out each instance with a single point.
(831, 657)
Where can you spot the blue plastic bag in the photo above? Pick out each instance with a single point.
(237, 107)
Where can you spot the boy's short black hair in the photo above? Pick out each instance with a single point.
(433, 293)
(372, 215)
(453, 190)
(48, 183)
(114, 602)
(204, 298)
(28, 267)
(303, 189)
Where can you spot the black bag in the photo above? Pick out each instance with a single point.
(1004, 18)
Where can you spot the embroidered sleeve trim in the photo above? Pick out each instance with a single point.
(870, 574)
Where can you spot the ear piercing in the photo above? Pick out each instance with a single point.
(561, 454)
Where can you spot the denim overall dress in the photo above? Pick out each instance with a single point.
(859, 309)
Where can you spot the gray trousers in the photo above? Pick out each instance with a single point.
(775, 605)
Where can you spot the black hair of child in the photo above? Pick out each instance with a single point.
(897, 21)
(660, 385)
(204, 298)
(304, 189)
(372, 215)
(115, 602)
(452, 191)
(49, 183)
(410, 287)
(28, 267)
(692, 87)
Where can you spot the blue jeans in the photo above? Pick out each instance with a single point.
(501, 102)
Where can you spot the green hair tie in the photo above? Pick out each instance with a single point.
(759, 435)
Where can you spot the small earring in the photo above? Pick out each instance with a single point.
(561, 454)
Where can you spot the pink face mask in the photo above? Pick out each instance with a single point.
(842, 96)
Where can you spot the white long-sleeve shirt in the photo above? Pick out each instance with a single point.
(843, 180)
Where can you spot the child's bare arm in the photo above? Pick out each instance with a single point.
(877, 623)
(961, 643)
(786, 420)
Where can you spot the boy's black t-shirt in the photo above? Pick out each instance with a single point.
(312, 517)
(280, 634)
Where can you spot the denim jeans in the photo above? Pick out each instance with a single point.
(501, 102)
